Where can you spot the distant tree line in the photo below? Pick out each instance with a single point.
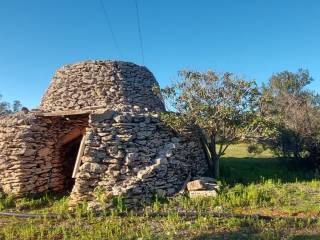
(6, 108)
(221, 109)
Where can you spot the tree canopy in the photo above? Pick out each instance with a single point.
(223, 108)
(219, 108)
(6, 108)
(295, 110)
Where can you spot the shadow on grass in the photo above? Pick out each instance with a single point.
(30, 202)
(306, 237)
(238, 235)
(253, 170)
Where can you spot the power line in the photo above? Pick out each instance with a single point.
(139, 30)
(110, 28)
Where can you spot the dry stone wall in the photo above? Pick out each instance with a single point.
(30, 160)
(24, 166)
(135, 155)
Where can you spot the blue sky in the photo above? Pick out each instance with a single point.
(253, 38)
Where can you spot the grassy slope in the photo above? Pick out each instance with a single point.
(252, 185)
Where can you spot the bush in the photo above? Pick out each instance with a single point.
(255, 149)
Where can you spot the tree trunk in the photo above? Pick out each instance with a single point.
(213, 160)
(207, 152)
(214, 157)
(216, 166)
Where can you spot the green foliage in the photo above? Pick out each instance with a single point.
(119, 204)
(7, 202)
(289, 83)
(244, 196)
(5, 107)
(16, 106)
(33, 202)
(213, 101)
(295, 112)
(281, 200)
(255, 148)
(219, 108)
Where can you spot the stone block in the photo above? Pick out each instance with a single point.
(202, 184)
(203, 193)
(107, 115)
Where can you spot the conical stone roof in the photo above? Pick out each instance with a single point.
(111, 84)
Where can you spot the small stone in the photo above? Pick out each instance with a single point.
(29, 152)
(93, 167)
(119, 118)
(94, 206)
(100, 154)
(161, 160)
(132, 156)
(171, 191)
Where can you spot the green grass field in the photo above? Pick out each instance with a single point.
(239, 166)
(261, 198)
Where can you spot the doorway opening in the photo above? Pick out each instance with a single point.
(69, 148)
(69, 153)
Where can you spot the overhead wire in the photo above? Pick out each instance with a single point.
(139, 30)
(114, 39)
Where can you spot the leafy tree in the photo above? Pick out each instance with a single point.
(295, 110)
(219, 108)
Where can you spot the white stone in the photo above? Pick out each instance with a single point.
(203, 193)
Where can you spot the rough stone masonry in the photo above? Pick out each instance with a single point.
(97, 134)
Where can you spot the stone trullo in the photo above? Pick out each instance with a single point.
(97, 133)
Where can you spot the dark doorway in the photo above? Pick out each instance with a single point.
(69, 153)
(67, 133)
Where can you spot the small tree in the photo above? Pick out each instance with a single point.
(4, 107)
(219, 108)
(17, 106)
